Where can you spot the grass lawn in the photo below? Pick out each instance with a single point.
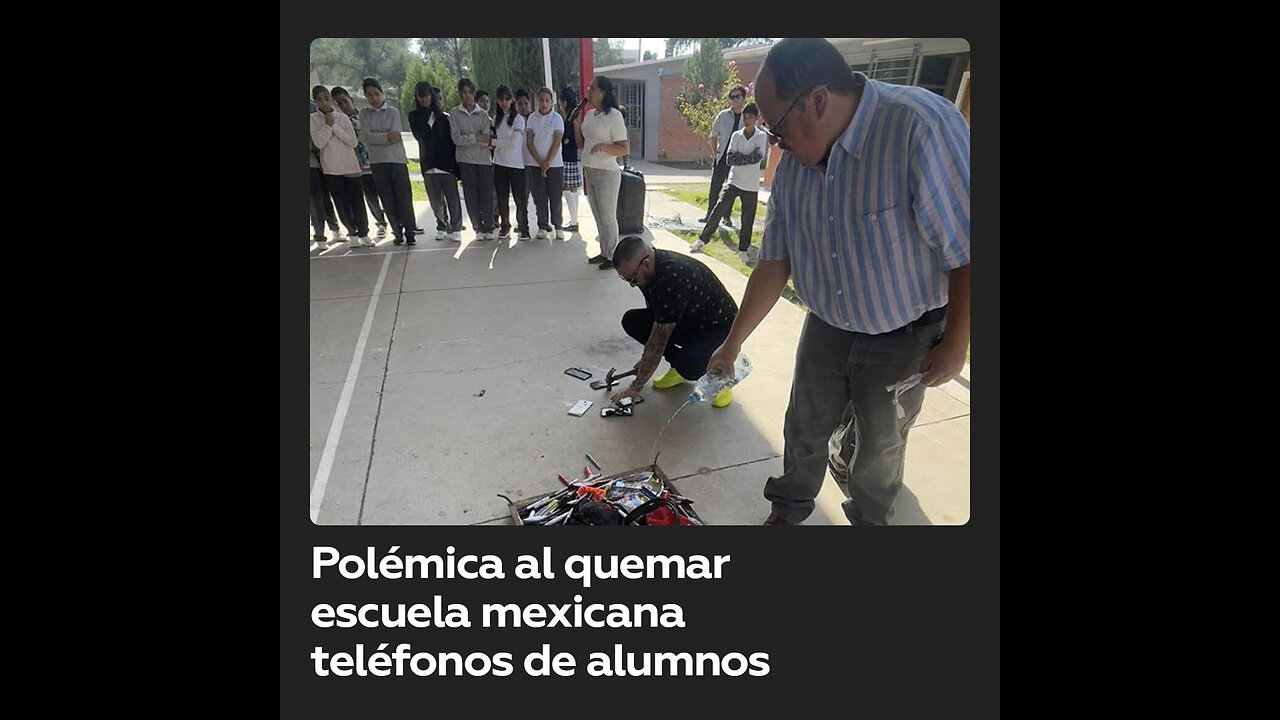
(416, 169)
(696, 194)
(419, 190)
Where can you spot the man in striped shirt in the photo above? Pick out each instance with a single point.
(869, 216)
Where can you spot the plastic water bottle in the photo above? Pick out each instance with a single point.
(708, 385)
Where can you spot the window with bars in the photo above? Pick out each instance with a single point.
(632, 97)
(891, 66)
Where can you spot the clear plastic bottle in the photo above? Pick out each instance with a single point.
(708, 385)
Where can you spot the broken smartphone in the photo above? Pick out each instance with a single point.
(578, 373)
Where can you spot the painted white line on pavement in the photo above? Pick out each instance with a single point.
(344, 400)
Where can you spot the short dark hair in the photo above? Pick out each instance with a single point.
(751, 109)
(369, 82)
(738, 88)
(466, 83)
(315, 91)
(482, 93)
(797, 63)
(629, 249)
(338, 90)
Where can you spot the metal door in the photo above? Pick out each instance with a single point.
(633, 99)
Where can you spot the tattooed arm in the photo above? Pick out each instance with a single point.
(648, 364)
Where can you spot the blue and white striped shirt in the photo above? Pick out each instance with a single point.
(872, 236)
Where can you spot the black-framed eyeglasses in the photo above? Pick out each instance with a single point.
(775, 131)
(632, 280)
(736, 97)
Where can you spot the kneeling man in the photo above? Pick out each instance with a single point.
(687, 316)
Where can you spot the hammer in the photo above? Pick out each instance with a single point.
(610, 379)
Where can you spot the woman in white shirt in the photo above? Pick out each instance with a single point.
(332, 133)
(601, 132)
(508, 165)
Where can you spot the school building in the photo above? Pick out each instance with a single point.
(658, 132)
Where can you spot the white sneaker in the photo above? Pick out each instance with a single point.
(559, 234)
(367, 241)
(455, 236)
(353, 241)
(742, 255)
(382, 231)
(492, 235)
(696, 246)
(321, 244)
(337, 235)
(441, 234)
(542, 234)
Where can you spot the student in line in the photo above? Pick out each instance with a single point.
(747, 149)
(430, 126)
(321, 203)
(470, 128)
(332, 133)
(380, 131)
(525, 109)
(508, 165)
(482, 99)
(569, 110)
(602, 136)
(343, 100)
(544, 130)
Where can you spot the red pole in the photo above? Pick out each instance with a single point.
(586, 64)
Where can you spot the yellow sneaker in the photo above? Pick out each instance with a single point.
(671, 379)
(724, 397)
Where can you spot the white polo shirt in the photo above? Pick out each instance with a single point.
(508, 143)
(598, 129)
(544, 128)
(747, 177)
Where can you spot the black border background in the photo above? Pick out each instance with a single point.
(900, 622)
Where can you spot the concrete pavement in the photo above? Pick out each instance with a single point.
(460, 392)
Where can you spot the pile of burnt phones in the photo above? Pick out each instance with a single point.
(623, 407)
(578, 373)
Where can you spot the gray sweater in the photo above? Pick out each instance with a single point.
(375, 123)
(464, 126)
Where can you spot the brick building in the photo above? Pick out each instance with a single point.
(649, 89)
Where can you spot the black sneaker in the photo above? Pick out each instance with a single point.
(702, 219)
(419, 231)
(571, 228)
(727, 222)
(398, 241)
(607, 265)
(596, 259)
(505, 234)
(412, 240)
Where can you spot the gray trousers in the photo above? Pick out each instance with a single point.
(477, 187)
(602, 194)
(392, 181)
(547, 191)
(834, 369)
(442, 193)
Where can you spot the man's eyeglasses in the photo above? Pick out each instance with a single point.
(775, 131)
(632, 280)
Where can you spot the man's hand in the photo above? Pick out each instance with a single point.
(482, 138)
(629, 392)
(721, 362)
(945, 361)
(393, 136)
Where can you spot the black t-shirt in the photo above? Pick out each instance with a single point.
(686, 292)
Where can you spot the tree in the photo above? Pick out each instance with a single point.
(675, 45)
(698, 103)
(650, 55)
(454, 52)
(436, 73)
(346, 61)
(517, 63)
(605, 52)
